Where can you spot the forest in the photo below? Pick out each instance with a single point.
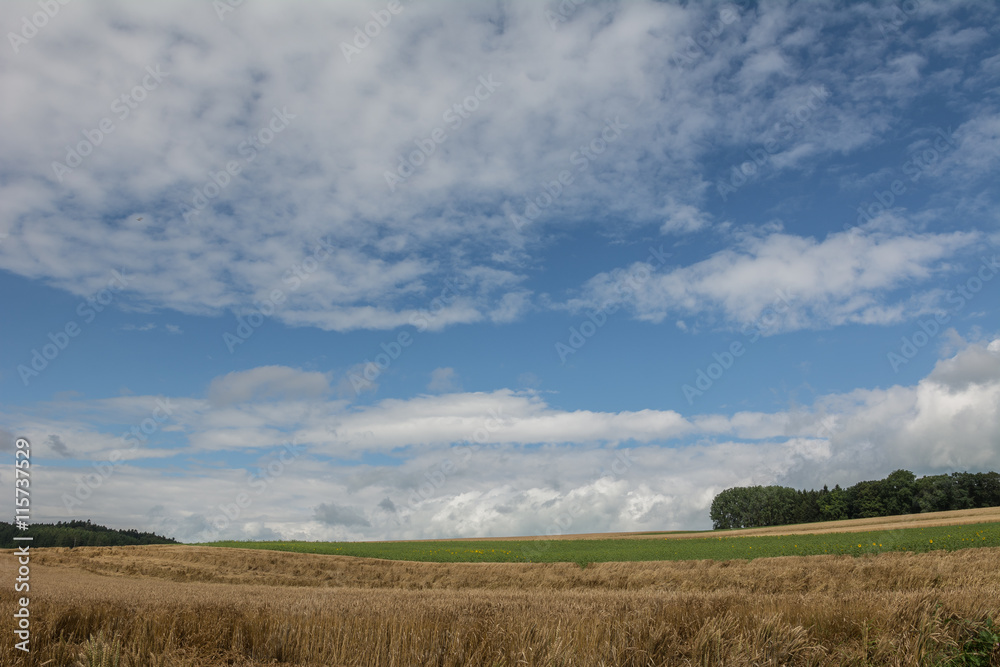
(76, 534)
(899, 493)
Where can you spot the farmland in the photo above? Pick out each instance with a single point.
(898, 599)
(693, 546)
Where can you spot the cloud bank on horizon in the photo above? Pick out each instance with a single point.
(367, 270)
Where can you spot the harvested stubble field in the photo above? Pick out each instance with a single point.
(188, 605)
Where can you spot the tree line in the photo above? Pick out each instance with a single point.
(899, 493)
(76, 534)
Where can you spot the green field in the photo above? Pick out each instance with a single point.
(713, 546)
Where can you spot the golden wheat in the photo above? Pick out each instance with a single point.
(188, 606)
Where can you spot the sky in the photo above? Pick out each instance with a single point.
(416, 269)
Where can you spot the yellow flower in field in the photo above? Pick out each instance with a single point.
(932, 541)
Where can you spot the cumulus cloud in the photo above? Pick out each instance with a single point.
(976, 365)
(507, 463)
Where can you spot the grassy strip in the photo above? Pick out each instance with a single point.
(916, 540)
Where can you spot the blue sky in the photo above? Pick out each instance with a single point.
(377, 271)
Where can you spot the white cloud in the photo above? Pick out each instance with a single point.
(839, 280)
(682, 217)
(978, 152)
(507, 463)
(323, 174)
(975, 365)
(310, 226)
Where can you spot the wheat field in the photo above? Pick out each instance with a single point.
(187, 606)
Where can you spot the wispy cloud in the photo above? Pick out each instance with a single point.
(848, 277)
